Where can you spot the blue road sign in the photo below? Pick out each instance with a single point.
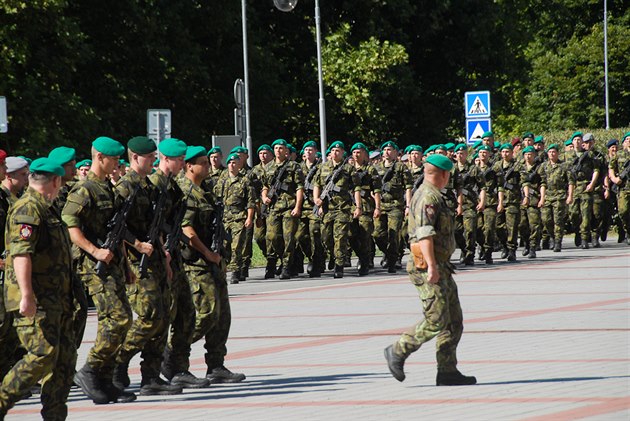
(477, 104)
(475, 128)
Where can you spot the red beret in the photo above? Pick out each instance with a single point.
(516, 141)
(3, 155)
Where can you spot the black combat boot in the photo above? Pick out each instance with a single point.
(511, 257)
(115, 395)
(454, 378)
(270, 271)
(363, 267)
(532, 254)
(223, 375)
(578, 238)
(347, 262)
(285, 274)
(557, 247)
(395, 363)
(121, 377)
(331, 263)
(545, 244)
(552, 243)
(338, 271)
(504, 252)
(596, 244)
(526, 251)
(188, 380)
(236, 277)
(584, 245)
(488, 257)
(158, 386)
(469, 260)
(279, 269)
(391, 267)
(87, 380)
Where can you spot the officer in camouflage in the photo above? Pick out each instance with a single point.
(39, 294)
(432, 242)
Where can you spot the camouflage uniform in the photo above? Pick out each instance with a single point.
(8, 337)
(309, 234)
(90, 205)
(491, 180)
(387, 227)
(531, 177)
(430, 217)
(599, 205)
(361, 229)
(582, 208)
(469, 184)
(508, 220)
(35, 229)
(417, 175)
(237, 196)
(260, 228)
(337, 207)
(207, 280)
(281, 226)
(556, 179)
(618, 165)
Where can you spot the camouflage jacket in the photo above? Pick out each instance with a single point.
(490, 182)
(292, 181)
(394, 183)
(370, 182)
(341, 197)
(617, 164)
(556, 178)
(309, 183)
(34, 228)
(199, 214)
(236, 194)
(584, 173)
(468, 181)
(511, 186)
(532, 177)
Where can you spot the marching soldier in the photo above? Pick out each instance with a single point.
(286, 183)
(533, 199)
(337, 189)
(265, 155)
(619, 173)
(395, 199)
(488, 201)
(508, 210)
(557, 191)
(90, 205)
(206, 269)
(215, 157)
(39, 294)
(468, 185)
(597, 218)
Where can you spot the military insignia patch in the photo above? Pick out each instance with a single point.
(26, 231)
(429, 210)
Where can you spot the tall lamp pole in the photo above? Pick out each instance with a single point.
(606, 61)
(248, 136)
(287, 6)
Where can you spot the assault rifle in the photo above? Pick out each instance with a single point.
(418, 182)
(623, 176)
(577, 162)
(175, 233)
(275, 189)
(117, 226)
(308, 181)
(330, 186)
(387, 177)
(506, 183)
(219, 236)
(156, 225)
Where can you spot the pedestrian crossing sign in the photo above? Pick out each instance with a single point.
(477, 104)
(476, 128)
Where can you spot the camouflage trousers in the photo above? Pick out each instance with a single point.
(150, 300)
(213, 314)
(442, 318)
(8, 338)
(507, 226)
(597, 217)
(523, 225)
(114, 318)
(489, 228)
(623, 208)
(360, 237)
(309, 237)
(387, 232)
(51, 356)
(260, 236)
(535, 226)
(281, 229)
(182, 324)
(553, 215)
(580, 211)
(235, 227)
(249, 250)
(335, 229)
(469, 222)
(80, 309)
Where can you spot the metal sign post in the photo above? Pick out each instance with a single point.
(4, 122)
(158, 125)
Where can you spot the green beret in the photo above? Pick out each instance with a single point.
(319, 154)
(62, 155)
(539, 139)
(239, 149)
(460, 147)
(108, 146)
(552, 146)
(506, 146)
(359, 145)
(477, 144)
(232, 157)
(47, 165)
(475, 156)
(440, 146)
(213, 150)
(84, 163)
(430, 149)
(291, 148)
(440, 161)
(487, 134)
(193, 152)
(310, 144)
(625, 135)
(280, 142)
(415, 148)
(172, 148)
(141, 145)
(497, 144)
(449, 146)
(337, 144)
(389, 143)
(528, 134)
(576, 134)
(529, 149)
(568, 142)
(484, 148)
(264, 147)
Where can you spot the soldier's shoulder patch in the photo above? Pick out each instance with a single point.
(429, 210)
(26, 231)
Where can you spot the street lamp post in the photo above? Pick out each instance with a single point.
(287, 6)
(606, 61)
(248, 136)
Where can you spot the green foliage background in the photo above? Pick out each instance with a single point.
(72, 71)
